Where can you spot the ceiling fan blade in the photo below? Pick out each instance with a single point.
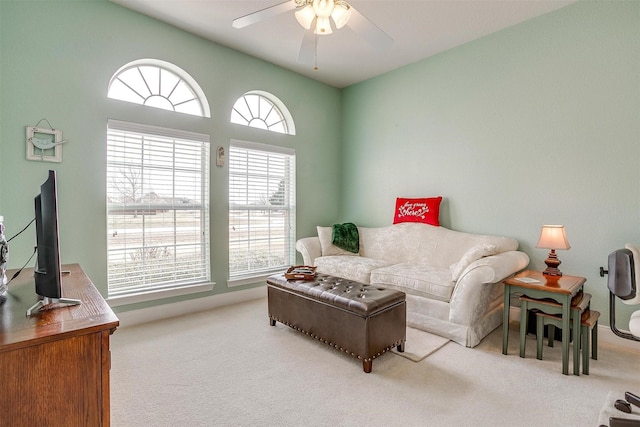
(369, 31)
(265, 13)
(307, 48)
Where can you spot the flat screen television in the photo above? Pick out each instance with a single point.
(48, 270)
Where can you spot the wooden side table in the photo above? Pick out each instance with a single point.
(536, 285)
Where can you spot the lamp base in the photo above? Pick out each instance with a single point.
(552, 264)
(550, 271)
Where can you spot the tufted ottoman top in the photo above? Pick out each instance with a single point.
(352, 296)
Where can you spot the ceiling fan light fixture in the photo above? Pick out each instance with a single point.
(323, 26)
(341, 14)
(323, 8)
(305, 16)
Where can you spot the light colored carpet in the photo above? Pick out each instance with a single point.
(228, 367)
(420, 344)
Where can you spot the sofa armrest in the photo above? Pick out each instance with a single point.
(500, 266)
(310, 249)
(472, 295)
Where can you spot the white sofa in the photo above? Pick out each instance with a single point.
(453, 280)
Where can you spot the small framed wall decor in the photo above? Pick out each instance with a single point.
(44, 145)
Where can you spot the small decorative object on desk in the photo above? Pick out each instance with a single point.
(300, 272)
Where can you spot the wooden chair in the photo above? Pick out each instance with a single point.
(588, 323)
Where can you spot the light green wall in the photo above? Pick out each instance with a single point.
(57, 59)
(535, 124)
(539, 123)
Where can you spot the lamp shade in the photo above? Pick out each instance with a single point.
(319, 11)
(305, 16)
(553, 237)
(341, 14)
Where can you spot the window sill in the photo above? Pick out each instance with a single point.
(160, 294)
(241, 281)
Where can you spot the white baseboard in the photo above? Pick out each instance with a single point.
(151, 314)
(607, 337)
(135, 317)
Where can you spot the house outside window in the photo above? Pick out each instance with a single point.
(262, 210)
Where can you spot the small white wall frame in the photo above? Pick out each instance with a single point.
(44, 145)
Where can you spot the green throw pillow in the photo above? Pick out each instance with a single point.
(345, 236)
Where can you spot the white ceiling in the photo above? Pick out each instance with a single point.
(420, 28)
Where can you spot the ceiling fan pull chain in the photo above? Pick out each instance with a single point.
(315, 52)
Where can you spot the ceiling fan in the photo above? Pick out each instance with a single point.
(314, 16)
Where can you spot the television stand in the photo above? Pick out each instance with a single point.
(55, 366)
(46, 301)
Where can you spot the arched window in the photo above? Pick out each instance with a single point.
(157, 189)
(159, 84)
(262, 110)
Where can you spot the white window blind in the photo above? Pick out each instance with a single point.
(157, 208)
(262, 209)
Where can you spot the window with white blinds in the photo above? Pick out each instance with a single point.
(157, 209)
(262, 209)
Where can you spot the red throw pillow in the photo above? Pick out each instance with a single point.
(425, 210)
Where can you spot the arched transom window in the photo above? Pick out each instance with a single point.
(159, 84)
(262, 110)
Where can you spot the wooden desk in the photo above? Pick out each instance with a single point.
(54, 365)
(560, 289)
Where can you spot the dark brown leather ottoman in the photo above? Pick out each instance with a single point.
(362, 320)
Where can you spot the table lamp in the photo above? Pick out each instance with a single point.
(553, 237)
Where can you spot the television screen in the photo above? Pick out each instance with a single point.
(48, 271)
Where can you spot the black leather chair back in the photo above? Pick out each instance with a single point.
(622, 278)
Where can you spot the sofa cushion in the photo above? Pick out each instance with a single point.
(424, 244)
(399, 243)
(420, 280)
(426, 210)
(473, 254)
(325, 234)
(353, 268)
